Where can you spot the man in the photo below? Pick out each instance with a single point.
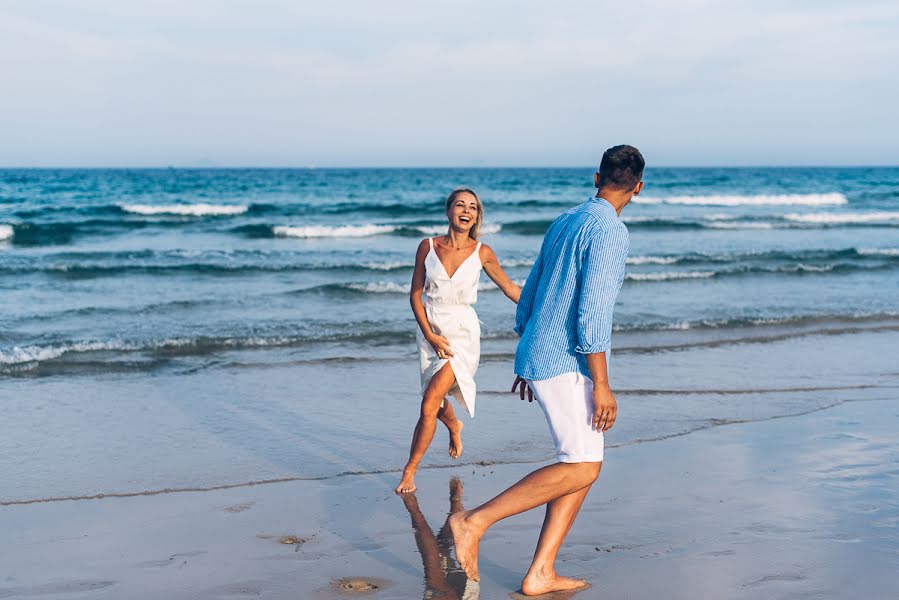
(564, 318)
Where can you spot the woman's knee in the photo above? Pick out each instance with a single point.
(430, 406)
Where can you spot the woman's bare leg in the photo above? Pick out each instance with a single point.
(447, 416)
(427, 423)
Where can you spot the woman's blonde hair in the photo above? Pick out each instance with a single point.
(476, 228)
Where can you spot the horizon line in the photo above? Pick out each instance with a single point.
(419, 167)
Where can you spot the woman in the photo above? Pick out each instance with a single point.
(447, 270)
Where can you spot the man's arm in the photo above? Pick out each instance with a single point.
(605, 407)
(602, 276)
(602, 273)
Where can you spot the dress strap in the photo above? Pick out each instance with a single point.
(478, 247)
(431, 242)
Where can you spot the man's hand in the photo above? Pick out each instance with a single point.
(519, 381)
(605, 408)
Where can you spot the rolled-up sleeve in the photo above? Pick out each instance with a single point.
(602, 274)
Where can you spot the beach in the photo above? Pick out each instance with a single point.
(797, 503)
(209, 381)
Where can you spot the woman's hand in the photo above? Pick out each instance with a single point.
(441, 345)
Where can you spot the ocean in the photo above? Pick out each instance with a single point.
(169, 328)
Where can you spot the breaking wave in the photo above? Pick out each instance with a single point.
(185, 210)
(832, 199)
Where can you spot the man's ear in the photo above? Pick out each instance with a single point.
(638, 189)
(596, 180)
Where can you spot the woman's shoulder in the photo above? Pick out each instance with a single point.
(485, 252)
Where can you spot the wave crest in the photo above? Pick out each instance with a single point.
(844, 218)
(185, 210)
(321, 231)
(667, 276)
(832, 199)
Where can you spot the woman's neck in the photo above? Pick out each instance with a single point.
(458, 239)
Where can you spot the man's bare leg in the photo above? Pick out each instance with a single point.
(540, 487)
(447, 416)
(541, 577)
(427, 424)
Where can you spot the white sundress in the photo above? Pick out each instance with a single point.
(447, 302)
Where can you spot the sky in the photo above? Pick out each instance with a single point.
(447, 82)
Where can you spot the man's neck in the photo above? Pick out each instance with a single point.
(618, 200)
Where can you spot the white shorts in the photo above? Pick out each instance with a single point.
(567, 402)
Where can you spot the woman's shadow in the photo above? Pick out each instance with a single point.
(443, 577)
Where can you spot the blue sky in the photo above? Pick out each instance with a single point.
(455, 83)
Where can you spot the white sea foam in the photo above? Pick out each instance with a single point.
(30, 354)
(879, 251)
(637, 219)
(6, 232)
(185, 210)
(651, 260)
(441, 229)
(517, 262)
(738, 225)
(387, 266)
(831, 199)
(667, 276)
(323, 231)
(844, 218)
(488, 286)
(379, 287)
(432, 229)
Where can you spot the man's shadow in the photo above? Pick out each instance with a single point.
(443, 577)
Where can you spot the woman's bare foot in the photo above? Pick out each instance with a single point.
(407, 483)
(466, 539)
(455, 490)
(536, 583)
(455, 445)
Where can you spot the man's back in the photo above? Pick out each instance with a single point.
(565, 309)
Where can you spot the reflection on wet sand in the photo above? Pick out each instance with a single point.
(443, 577)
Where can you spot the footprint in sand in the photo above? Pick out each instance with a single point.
(287, 540)
(358, 585)
(237, 508)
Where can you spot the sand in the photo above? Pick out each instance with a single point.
(794, 507)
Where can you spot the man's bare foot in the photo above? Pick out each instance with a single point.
(536, 583)
(466, 540)
(407, 483)
(455, 445)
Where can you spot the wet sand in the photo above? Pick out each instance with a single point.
(793, 507)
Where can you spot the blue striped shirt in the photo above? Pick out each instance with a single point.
(565, 309)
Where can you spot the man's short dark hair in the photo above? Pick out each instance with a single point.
(621, 167)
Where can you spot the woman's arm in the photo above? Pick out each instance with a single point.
(495, 272)
(440, 343)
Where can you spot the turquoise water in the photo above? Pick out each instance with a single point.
(144, 269)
